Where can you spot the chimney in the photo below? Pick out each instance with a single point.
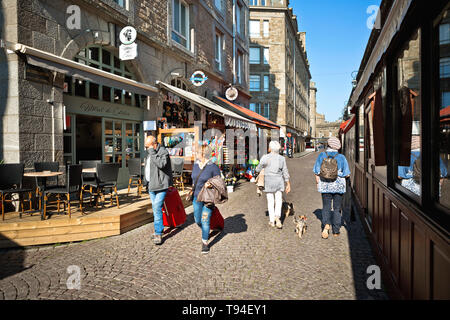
(302, 38)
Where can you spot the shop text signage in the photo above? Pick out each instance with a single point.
(88, 107)
(85, 106)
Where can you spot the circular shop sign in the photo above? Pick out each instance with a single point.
(231, 93)
(128, 35)
(198, 78)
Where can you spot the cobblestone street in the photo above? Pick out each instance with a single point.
(248, 260)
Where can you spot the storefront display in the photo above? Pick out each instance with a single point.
(180, 142)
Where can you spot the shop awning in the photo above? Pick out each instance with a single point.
(444, 114)
(347, 125)
(256, 117)
(231, 118)
(77, 70)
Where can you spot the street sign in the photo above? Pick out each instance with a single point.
(128, 51)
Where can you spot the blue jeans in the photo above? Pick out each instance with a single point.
(202, 217)
(332, 218)
(157, 199)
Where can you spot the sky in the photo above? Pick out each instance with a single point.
(336, 38)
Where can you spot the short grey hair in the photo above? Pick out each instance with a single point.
(274, 146)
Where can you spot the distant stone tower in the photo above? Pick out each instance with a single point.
(312, 109)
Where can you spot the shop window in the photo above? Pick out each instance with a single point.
(218, 51)
(378, 127)
(106, 93)
(80, 88)
(266, 83)
(407, 115)
(255, 83)
(254, 28)
(239, 67)
(180, 23)
(238, 18)
(255, 55)
(361, 125)
(266, 55)
(100, 58)
(442, 183)
(94, 91)
(266, 28)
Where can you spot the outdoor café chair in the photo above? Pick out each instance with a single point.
(106, 179)
(86, 177)
(135, 170)
(177, 171)
(11, 176)
(73, 185)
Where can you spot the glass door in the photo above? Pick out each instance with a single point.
(122, 140)
(69, 139)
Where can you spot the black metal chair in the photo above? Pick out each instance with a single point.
(177, 172)
(43, 183)
(106, 178)
(11, 176)
(135, 170)
(73, 185)
(87, 178)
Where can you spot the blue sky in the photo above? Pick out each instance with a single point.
(336, 37)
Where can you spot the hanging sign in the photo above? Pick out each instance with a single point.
(231, 93)
(128, 35)
(128, 48)
(198, 78)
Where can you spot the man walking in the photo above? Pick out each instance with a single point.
(158, 173)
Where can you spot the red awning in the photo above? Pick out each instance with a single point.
(255, 117)
(445, 113)
(347, 125)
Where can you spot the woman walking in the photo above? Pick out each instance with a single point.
(332, 190)
(203, 170)
(276, 175)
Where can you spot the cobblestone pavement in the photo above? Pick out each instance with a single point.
(248, 260)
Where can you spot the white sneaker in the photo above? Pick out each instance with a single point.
(278, 222)
(272, 224)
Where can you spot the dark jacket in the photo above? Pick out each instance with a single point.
(218, 194)
(160, 169)
(211, 170)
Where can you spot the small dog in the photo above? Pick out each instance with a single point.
(287, 209)
(300, 225)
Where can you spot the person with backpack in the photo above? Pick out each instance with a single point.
(331, 170)
(276, 175)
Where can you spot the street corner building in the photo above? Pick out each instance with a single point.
(279, 70)
(66, 95)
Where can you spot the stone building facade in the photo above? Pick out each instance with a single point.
(312, 110)
(279, 68)
(174, 39)
(325, 129)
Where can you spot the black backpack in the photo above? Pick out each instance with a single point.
(329, 168)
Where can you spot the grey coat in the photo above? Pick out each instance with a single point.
(275, 172)
(160, 169)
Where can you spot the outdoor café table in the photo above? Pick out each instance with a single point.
(42, 174)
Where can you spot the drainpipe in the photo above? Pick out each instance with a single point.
(234, 42)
